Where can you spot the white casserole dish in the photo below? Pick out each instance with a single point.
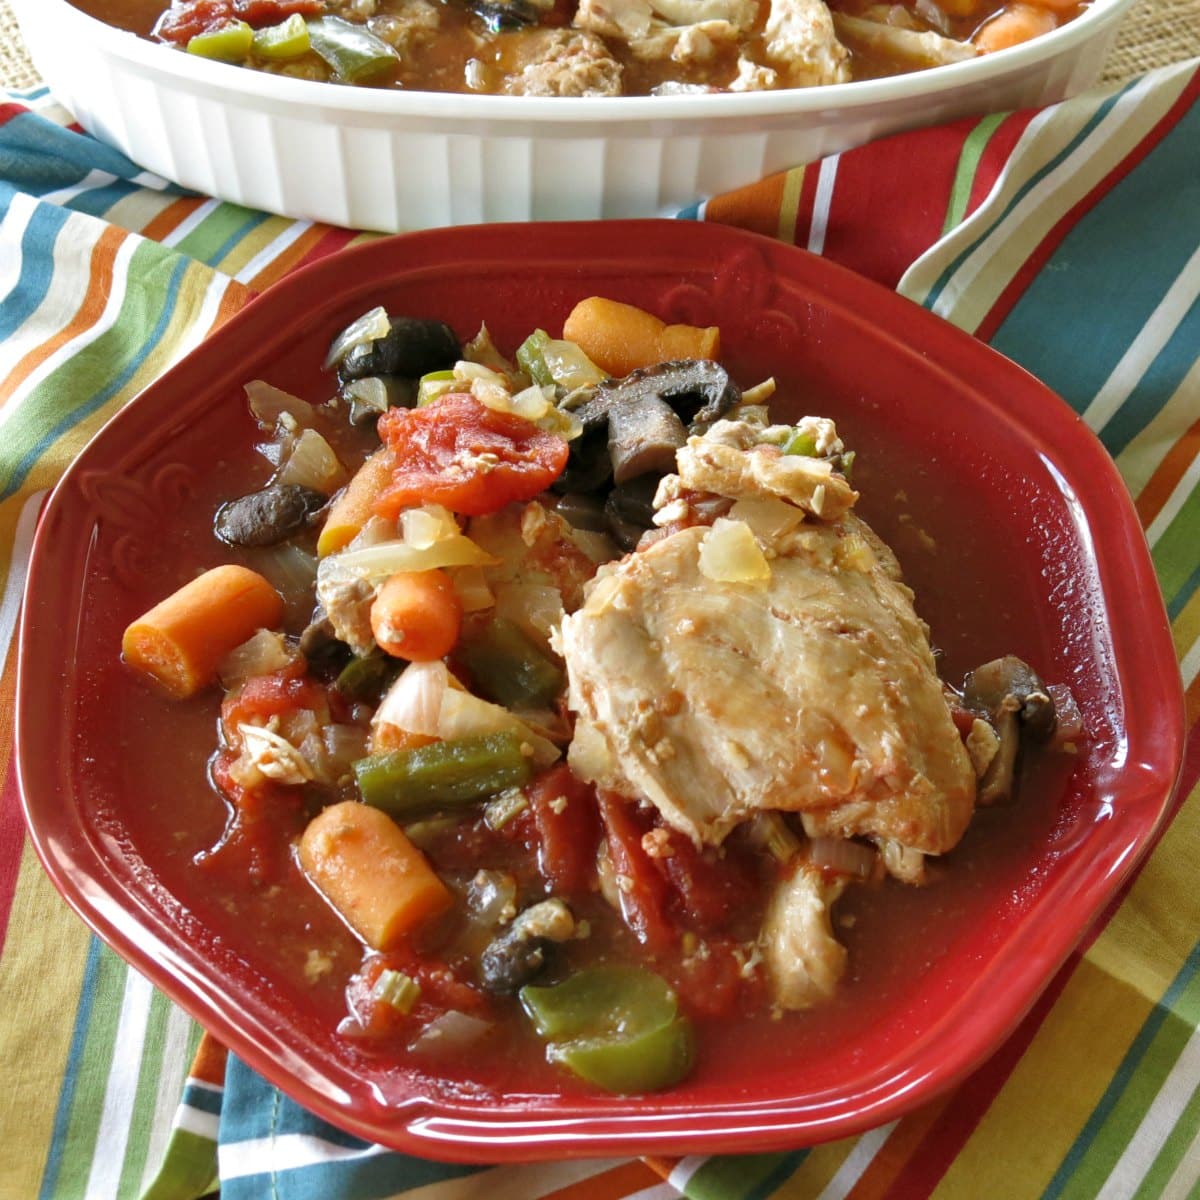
(393, 160)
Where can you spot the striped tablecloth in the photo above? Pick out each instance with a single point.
(1069, 238)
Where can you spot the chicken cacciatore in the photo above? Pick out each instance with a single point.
(573, 688)
(588, 47)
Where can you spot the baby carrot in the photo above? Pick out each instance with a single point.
(619, 338)
(416, 615)
(351, 508)
(1017, 24)
(180, 641)
(366, 867)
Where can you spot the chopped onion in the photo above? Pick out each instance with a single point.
(767, 516)
(369, 395)
(450, 1032)
(312, 464)
(845, 857)
(536, 608)
(374, 563)
(472, 587)
(414, 702)
(492, 895)
(344, 745)
(369, 327)
(465, 715)
(261, 653)
(569, 366)
(269, 403)
(422, 527)
(730, 553)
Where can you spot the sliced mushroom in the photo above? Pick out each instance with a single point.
(266, 517)
(630, 510)
(503, 15)
(521, 953)
(1017, 704)
(697, 389)
(411, 347)
(643, 438)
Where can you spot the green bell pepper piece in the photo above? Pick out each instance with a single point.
(509, 667)
(450, 774)
(230, 42)
(288, 39)
(353, 52)
(617, 1027)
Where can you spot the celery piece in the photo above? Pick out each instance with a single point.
(530, 360)
(432, 385)
(397, 990)
(509, 667)
(801, 443)
(353, 52)
(288, 39)
(454, 773)
(617, 1027)
(230, 42)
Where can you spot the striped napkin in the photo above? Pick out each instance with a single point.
(1069, 238)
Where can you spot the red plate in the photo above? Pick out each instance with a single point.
(1013, 527)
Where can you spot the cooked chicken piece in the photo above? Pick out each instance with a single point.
(681, 30)
(799, 680)
(804, 961)
(917, 49)
(408, 27)
(801, 42)
(729, 462)
(564, 62)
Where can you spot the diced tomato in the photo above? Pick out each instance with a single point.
(710, 887)
(264, 822)
(187, 18)
(471, 458)
(642, 887)
(265, 696)
(713, 982)
(568, 829)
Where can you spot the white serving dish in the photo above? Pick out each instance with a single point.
(392, 160)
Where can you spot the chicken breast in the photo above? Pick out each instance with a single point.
(805, 686)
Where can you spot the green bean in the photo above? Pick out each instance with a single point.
(509, 667)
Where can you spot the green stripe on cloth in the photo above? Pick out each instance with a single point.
(748, 1177)
(1174, 555)
(189, 1168)
(91, 1077)
(968, 165)
(1169, 1159)
(218, 232)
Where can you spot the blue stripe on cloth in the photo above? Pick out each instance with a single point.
(1034, 181)
(38, 156)
(37, 263)
(202, 1098)
(1079, 281)
(165, 303)
(1125, 1072)
(66, 1094)
(255, 1112)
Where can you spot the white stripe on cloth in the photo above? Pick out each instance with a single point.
(1189, 666)
(661, 1191)
(822, 202)
(684, 1169)
(1177, 499)
(1145, 451)
(12, 235)
(1186, 1175)
(190, 222)
(269, 253)
(196, 1120)
(287, 1152)
(1156, 1126)
(95, 178)
(120, 1092)
(72, 254)
(175, 1062)
(18, 568)
(1177, 301)
(856, 1162)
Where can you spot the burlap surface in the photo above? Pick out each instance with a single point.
(1154, 33)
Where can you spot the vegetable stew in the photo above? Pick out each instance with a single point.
(587, 47)
(600, 735)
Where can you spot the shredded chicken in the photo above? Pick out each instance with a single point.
(680, 30)
(564, 62)
(804, 961)
(802, 43)
(909, 46)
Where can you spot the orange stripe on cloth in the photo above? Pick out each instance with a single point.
(209, 1064)
(879, 1178)
(613, 1184)
(172, 217)
(1168, 474)
(91, 308)
(297, 253)
(756, 207)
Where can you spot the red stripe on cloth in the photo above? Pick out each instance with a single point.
(10, 110)
(1051, 242)
(333, 240)
(996, 153)
(613, 1184)
(879, 222)
(12, 842)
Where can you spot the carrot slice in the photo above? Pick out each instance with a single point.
(366, 867)
(352, 507)
(180, 641)
(619, 338)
